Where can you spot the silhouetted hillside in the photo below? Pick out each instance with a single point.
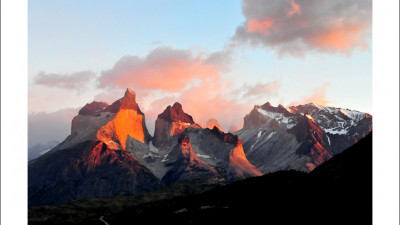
(337, 192)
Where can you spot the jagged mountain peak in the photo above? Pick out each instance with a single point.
(129, 100)
(126, 102)
(176, 114)
(173, 120)
(266, 105)
(313, 105)
(281, 106)
(177, 106)
(129, 92)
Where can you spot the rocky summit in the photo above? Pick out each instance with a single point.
(171, 122)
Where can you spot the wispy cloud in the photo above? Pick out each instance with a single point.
(75, 81)
(261, 89)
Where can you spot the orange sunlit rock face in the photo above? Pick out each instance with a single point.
(128, 120)
(99, 155)
(115, 132)
(239, 161)
(262, 27)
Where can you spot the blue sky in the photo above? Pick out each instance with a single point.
(95, 34)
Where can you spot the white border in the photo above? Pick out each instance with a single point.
(386, 111)
(14, 111)
(14, 36)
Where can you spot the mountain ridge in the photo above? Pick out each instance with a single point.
(109, 139)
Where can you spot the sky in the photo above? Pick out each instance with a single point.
(217, 58)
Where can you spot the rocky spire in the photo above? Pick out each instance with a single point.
(171, 122)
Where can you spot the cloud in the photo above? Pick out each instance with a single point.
(298, 26)
(164, 68)
(75, 81)
(294, 10)
(170, 75)
(318, 97)
(208, 100)
(261, 89)
(221, 59)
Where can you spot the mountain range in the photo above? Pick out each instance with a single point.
(110, 151)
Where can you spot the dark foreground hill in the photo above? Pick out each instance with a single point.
(337, 192)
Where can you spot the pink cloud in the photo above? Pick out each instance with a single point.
(208, 101)
(259, 26)
(294, 10)
(296, 27)
(341, 37)
(164, 69)
(318, 97)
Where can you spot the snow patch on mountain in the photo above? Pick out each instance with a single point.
(290, 125)
(275, 116)
(203, 156)
(270, 135)
(336, 130)
(279, 117)
(353, 115)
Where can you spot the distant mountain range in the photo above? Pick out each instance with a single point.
(110, 151)
(40, 149)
